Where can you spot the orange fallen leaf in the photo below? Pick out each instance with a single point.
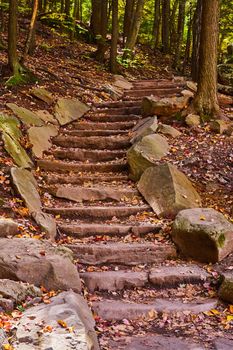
(62, 323)
(48, 329)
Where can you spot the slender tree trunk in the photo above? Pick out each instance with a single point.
(205, 101)
(67, 8)
(133, 35)
(180, 31)
(165, 25)
(196, 40)
(30, 43)
(188, 42)
(128, 17)
(96, 17)
(156, 25)
(12, 37)
(115, 33)
(172, 26)
(102, 45)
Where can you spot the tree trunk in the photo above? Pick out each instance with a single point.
(205, 101)
(67, 8)
(132, 37)
(156, 24)
(96, 17)
(30, 43)
(172, 26)
(128, 17)
(102, 45)
(12, 37)
(165, 25)
(196, 40)
(180, 31)
(188, 42)
(115, 31)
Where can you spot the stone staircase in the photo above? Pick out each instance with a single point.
(128, 264)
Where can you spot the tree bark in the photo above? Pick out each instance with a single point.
(156, 24)
(128, 17)
(115, 31)
(196, 40)
(30, 43)
(132, 37)
(180, 31)
(96, 17)
(12, 37)
(188, 42)
(102, 45)
(165, 26)
(205, 101)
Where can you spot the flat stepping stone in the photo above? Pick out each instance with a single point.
(116, 104)
(80, 194)
(170, 276)
(52, 178)
(39, 137)
(43, 95)
(95, 142)
(123, 253)
(68, 110)
(119, 310)
(157, 92)
(120, 111)
(84, 133)
(104, 126)
(98, 212)
(84, 155)
(62, 166)
(92, 229)
(28, 117)
(156, 342)
(114, 280)
(112, 118)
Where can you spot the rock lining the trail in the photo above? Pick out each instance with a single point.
(68, 110)
(203, 234)
(165, 107)
(38, 262)
(167, 190)
(28, 117)
(226, 288)
(43, 95)
(39, 137)
(143, 128)
(144, 153)
(18, 291)
(8, 227)
(70, 320)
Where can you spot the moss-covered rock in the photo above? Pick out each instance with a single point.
(28, 117)
(16, 151)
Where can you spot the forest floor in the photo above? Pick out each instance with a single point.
(206, 158)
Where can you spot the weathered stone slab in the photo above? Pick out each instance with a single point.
(167, 190)
(170, 276)
(8, 227)
(28, 117)
(143, 128)
(122, 83)
(38, 262)
(43, 95)
(39, 137)
(46, 117)
(203, 234)
(11, 126)
(71, 322)
(144, 153)
(168, 130)
(18, 291)
(156, 342)
(114, 280)
(165, 107)
(27, 187)
(223, 344)
(16, 151)
(193, 120)
(47, 223)
(119, 310)
(226, 289)
(68, 110)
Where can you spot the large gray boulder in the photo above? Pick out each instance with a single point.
(68, 110)
(168, 190)
(144, 153)
(143, 128)
(226, 289)
(203, 234)
(38, 262)
(64, 324)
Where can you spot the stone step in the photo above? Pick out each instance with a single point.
(119, 310)
(112, 118)
(93, 229)
(84, 133)
(139, 98)
(125, 125)
(129, 254)
(54, 178)
(156, 92)
(86, 155)
(98, 212)
(154, 85)
(160, 277)
(76, 167)
(120, 111)
(117, 104)
(93, 142)
(114, 280)
(97, 193)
